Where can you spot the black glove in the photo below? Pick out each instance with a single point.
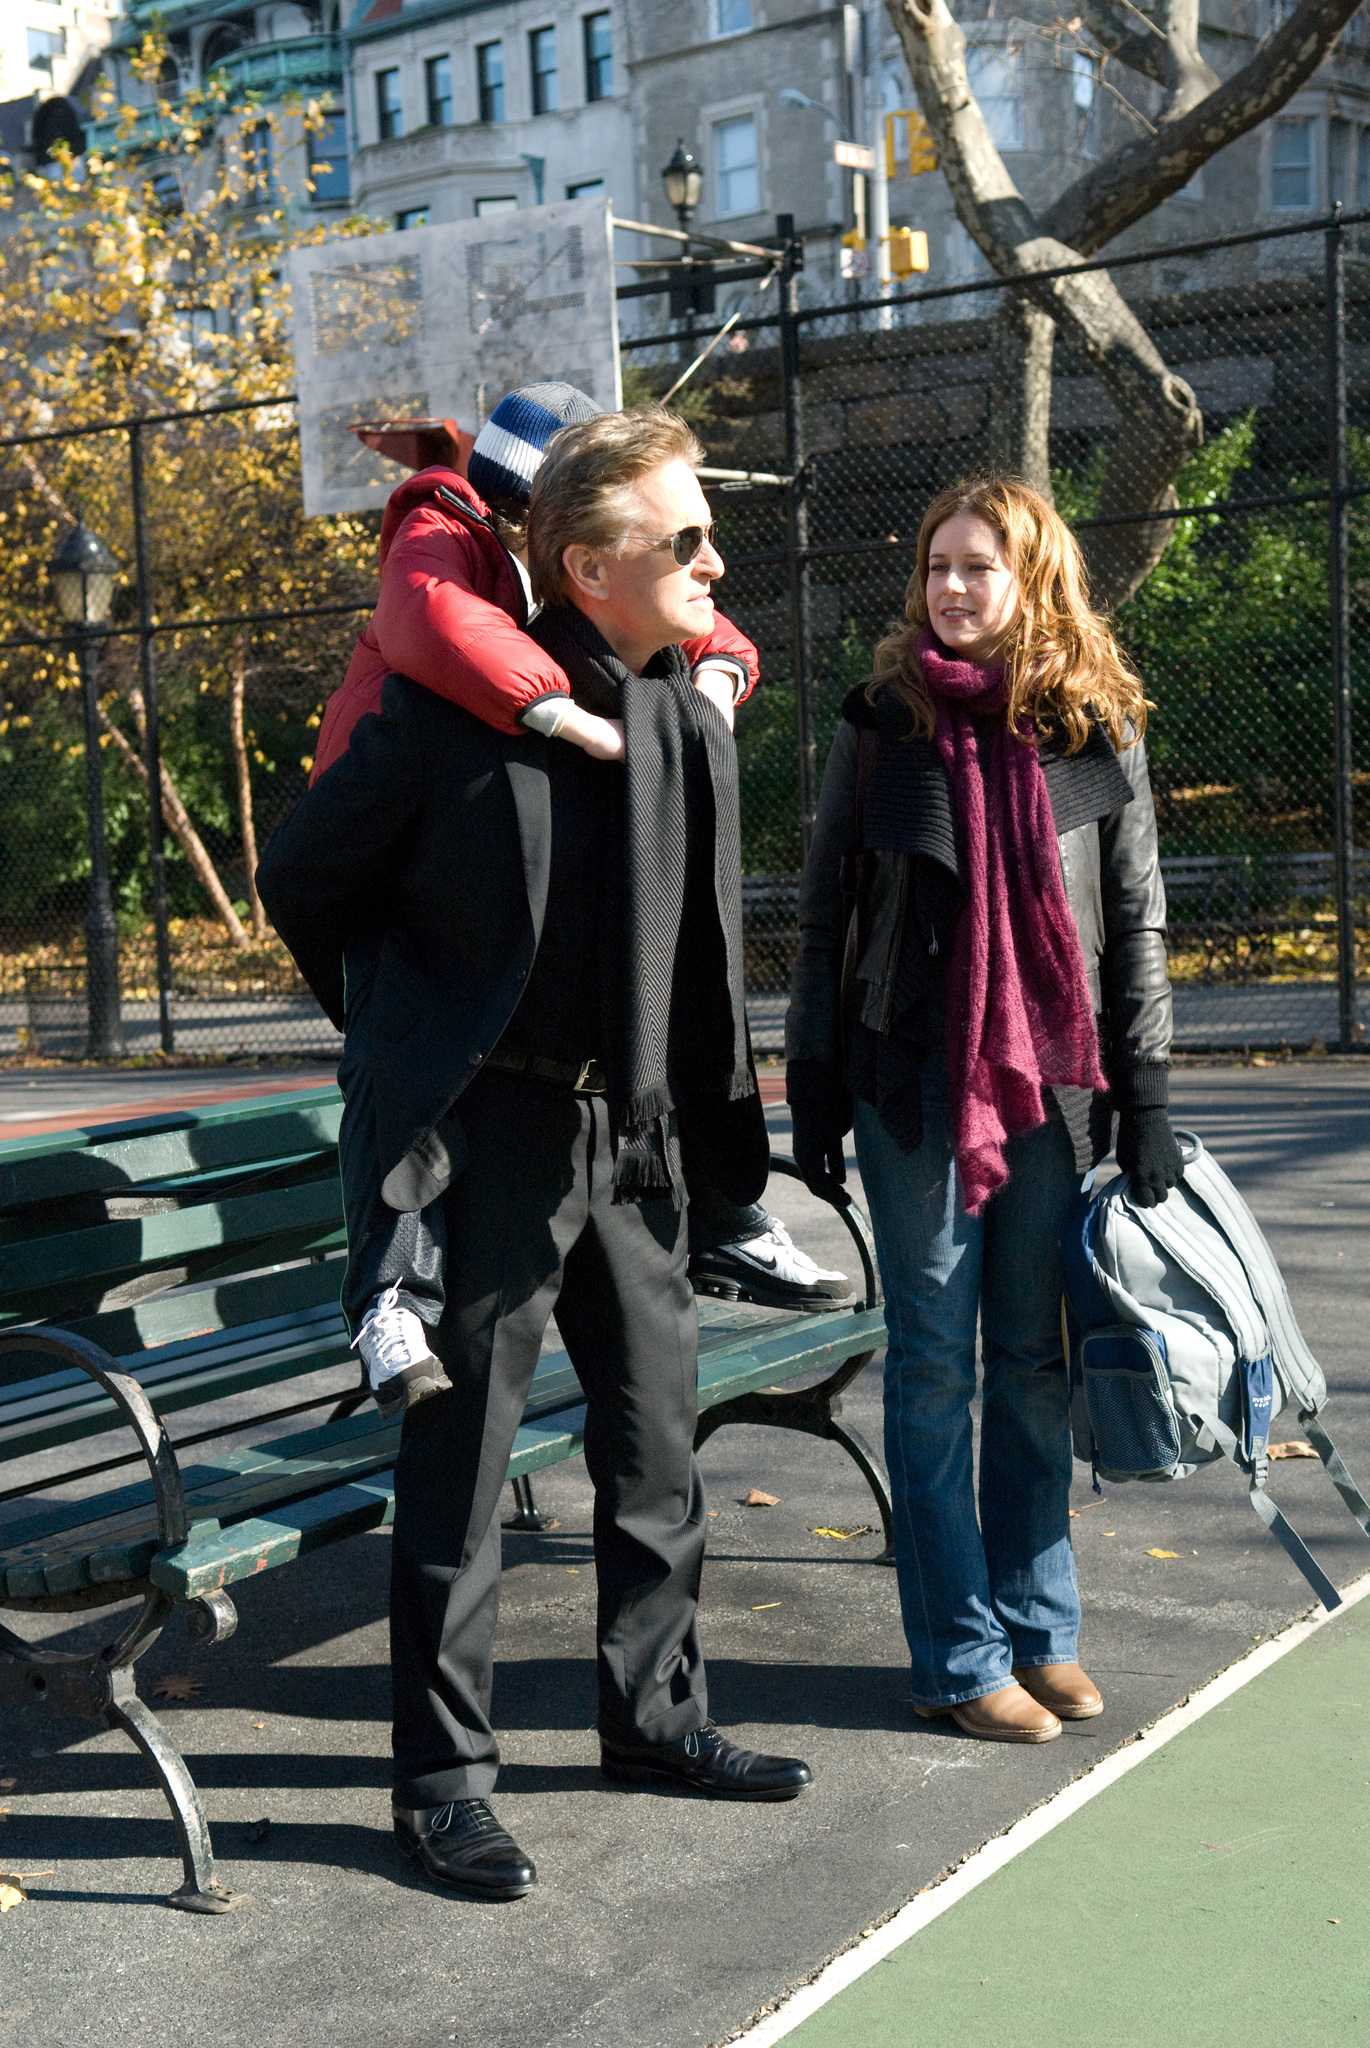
(1147, 1151)
(820, 1117)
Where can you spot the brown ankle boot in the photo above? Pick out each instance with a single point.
(1008, 1715)
(1062, 1688)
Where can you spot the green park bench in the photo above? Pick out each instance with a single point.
(186, 1260)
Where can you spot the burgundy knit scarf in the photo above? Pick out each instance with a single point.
(1019, 1014)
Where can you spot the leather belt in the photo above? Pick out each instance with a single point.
(587, 1078)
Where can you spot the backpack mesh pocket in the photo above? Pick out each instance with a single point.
(1127, 1399)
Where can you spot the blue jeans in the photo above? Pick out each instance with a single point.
(980, 1597)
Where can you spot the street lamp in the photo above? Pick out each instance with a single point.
(83, 573)
(684, 181)
(790, 96)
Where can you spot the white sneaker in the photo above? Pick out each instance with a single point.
(772, 1270)
(400, 1368)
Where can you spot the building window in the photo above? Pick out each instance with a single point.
(729, 17)
(389, 108)
(542, 57)
(506, 203)
(412, 217)
(586, 189)
(437, 73)
(1291, 166)
(599, 58)
(1083, 87)
(44, 45)
(219, 45)
(997, 82)
(328, 160)
(257, 165)
(1339, 165)
(735, 169)
(490, 81)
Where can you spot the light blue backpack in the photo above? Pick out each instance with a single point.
(1182, 1345)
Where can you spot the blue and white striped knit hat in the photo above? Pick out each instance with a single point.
(509, 447)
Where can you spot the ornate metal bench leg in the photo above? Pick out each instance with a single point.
(527, 1515)
(201, 1891)
(815, 1411)
(859, 1451)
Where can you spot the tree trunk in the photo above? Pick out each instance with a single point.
(202, 867)
(1021, 348)
(1160, 421)
(248, 829)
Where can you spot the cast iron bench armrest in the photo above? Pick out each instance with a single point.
(100, 1683)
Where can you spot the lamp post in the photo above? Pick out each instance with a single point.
(684, 181)
(83, 572)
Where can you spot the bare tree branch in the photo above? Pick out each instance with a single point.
(1131, 183)
(1160, 422)
(178, 818)
(1141, 49)
(246, 820)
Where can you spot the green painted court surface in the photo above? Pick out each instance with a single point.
(1217, 1894)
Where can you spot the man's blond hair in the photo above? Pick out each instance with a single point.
(583, 493)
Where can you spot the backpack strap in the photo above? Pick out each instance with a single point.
(1288, 1538)
(1336, 1471)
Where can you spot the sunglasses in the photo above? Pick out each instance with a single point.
(688, 544)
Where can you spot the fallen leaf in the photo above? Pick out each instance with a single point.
(843, 1535)
(1110, 1532)
(1333, 1923)
(757, 1499)
(574, 1570)
(10, 1895)
(8, 1784)
(258, 1830)
(1297, 1448)
(1163, 1553)
(259, 1724)
(176, 1686)
(764, 1605)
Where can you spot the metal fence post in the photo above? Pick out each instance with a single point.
(798, 525)
(1348, 1023)
(148, 666)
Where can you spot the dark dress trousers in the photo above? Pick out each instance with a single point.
(431, 845)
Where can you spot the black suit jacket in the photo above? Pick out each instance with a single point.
(426, 850)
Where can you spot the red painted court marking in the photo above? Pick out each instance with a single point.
(156, 1105)
(772, 1085)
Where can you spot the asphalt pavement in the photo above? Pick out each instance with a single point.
(659, 1919)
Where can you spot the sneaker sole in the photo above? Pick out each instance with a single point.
(617, 1773)
(764, 1296)
(410, 1394)
(489, 1894)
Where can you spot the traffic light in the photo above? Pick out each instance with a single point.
(922, 155)
(908, 251)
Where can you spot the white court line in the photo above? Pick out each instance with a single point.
(920, 1912)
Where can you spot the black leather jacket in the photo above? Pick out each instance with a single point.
(1111, 869)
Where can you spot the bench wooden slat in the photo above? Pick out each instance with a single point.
(110, 1249)
(103, 1158)
(41, 1558)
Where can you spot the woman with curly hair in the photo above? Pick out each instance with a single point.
(982, 980)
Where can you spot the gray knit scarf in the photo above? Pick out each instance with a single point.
(684, 1024)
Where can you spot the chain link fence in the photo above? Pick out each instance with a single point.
(1249, 634)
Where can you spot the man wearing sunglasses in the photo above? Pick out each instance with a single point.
(557, 1013)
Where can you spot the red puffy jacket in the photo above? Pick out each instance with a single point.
(448, 616)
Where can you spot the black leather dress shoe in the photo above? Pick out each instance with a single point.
(708, 1762)
(462, 1844)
